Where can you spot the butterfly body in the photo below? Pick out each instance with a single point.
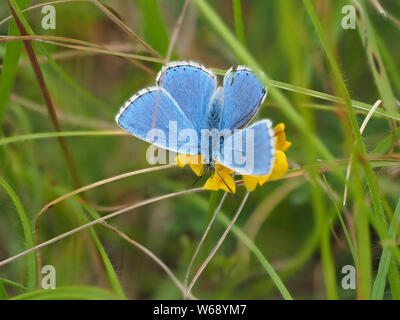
(190, 114)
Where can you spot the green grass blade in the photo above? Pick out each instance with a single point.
(384, 263)
(47, 135)
(386, 143)
(84, 212)
(238, 17)
(3, 292)
(10, 64)
(359, 105)
(28, 236)
(242, 53)
(112, 275)
(360, 110)
(338, 208)
(264, 262)
(66, 78)
(68, 293)
(394, 280)
(368, 39)
(241, 236)
(155, 31)
(12, 284)
(390, 63)
(360, 149)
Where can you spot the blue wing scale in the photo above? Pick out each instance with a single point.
(154, 108)
(250, 151)
(243, 96)
(191, 85)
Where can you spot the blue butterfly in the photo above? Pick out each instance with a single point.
(188, 100)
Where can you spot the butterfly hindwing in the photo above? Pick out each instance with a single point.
(191, 85)
(250, 151)
(243, 96)
(154, 108)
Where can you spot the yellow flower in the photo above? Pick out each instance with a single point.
(222, 177)
(195, 162)
(280, 165)
(280, 136)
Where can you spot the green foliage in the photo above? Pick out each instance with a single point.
(293, 236)
(10, 64)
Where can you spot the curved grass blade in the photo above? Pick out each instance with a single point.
(10, 64)
(68, 293)
(378, 288)
(112, 275)
(394, 280)
(260, 257)
(12, 284)
(368, 39)
(46, 135)
(28, 236)
(3, 292)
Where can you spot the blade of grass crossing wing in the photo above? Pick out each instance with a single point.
(242, 53)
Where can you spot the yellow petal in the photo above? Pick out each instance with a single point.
(198, 169)
(211, 184)
(250, 182)
(229, 184)
(222, 169)
(194, 160)
(279, 127)
(280, 142)
(280, 166)
(182, 160)
(263, 179)
(226, 174)
(286, 146)
(216, 183)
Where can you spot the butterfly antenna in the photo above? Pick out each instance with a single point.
(230, 190)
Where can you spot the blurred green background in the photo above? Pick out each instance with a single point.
(305, 244)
